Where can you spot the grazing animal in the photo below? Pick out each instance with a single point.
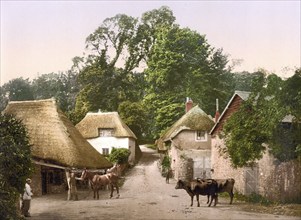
(196, 188)
(223, 185)
(97, 181)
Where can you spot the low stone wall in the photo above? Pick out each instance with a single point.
(270, 178)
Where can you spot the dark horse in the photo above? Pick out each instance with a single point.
(98, 181)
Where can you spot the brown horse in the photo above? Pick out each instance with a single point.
(98, 181)
(116, 169)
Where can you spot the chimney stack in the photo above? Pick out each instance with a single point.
(189, 104)
(217, 114)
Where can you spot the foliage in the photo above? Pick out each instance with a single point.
(182, 64)
(18, 89)
(119, 155)
(15, 164)
(252, 198)
(134, 115)
(166, 162)
(258, 125)
(61, 86)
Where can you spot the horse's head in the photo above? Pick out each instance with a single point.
(115, 169)
(84, 174)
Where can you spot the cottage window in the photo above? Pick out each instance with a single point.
(201, 136)
(105, 151)
(105, 132)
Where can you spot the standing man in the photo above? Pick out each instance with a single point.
(72, 190)
(26, 199)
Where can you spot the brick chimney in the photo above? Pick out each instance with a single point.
(217, 114)
(189, 104)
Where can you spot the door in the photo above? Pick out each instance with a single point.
(251, 177)
(44, 182)
(202, 168)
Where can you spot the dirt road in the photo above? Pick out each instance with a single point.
(144, 195)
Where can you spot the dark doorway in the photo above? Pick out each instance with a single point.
(44, 182)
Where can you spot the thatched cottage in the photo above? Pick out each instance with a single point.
(106, 130)
(269, 177)
(188, 144)
(56, 144)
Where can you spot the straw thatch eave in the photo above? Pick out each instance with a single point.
(53, 137)
(195, 119)
(90, 124)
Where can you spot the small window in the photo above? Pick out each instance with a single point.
(201, 136)
(105, 151)
(105, 132)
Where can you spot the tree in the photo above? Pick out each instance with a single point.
(117, 48)
(18, 89)
(258, 125)
(134, 115)
(15, 164)
(182, 64)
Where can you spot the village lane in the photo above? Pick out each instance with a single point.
(144, 195)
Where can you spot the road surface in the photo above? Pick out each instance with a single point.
(144, 195)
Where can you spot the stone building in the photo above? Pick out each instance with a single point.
(188, 144)
(275, 180)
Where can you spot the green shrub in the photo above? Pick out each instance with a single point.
(15, 164)
(119, 155)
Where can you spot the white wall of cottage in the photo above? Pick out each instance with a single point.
(109, 142)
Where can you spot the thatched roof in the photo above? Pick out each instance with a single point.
(53, 137)
(195, 119)
(92, 122)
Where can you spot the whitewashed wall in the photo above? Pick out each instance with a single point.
(110, 142)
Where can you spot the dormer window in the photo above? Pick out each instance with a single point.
(201, 136)
(105, 132)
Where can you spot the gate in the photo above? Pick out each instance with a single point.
(202, 168)
(251, 182)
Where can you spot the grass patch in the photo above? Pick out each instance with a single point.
(253, 198)
(151, 146)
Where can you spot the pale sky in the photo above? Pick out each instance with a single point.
(39, 37)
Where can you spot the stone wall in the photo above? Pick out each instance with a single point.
(181, 165)
(186, 140)
(272, 179)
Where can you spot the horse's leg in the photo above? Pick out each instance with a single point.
(191, 204)
(94, 193)
(117, 189)
(112, 189)
(208, 198)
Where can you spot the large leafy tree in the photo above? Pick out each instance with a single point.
(258, 125)
(15, 164)
(116, 50)
(182, 64)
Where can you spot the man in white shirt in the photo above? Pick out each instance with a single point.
(26, 199)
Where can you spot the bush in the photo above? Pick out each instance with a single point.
(119, 155)
(15, 164)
